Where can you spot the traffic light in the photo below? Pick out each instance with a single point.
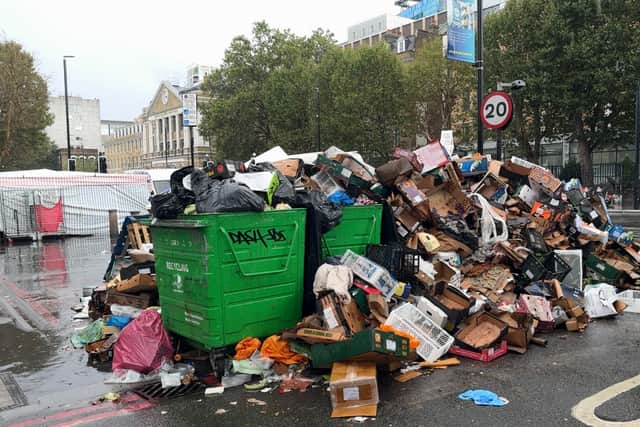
(102, 164)
(72, 165)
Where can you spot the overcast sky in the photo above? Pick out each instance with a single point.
(124, 49)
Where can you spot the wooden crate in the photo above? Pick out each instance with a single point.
(138, 234)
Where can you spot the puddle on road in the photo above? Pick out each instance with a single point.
(46, 280)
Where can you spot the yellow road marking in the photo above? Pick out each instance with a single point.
(584, 411)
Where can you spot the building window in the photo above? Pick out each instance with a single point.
(379, 26)
(372, 29)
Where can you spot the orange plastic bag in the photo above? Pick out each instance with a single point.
(413, 342)
(278, 350)
(246, 347)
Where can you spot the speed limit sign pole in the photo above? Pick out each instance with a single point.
(497, 110)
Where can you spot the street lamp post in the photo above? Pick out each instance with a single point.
(66, 108)
(317, 118)
(636, 170)
(480, 67)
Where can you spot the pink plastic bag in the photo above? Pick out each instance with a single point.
(143, 344)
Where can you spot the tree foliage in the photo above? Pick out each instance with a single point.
(442, 92)
(268, 89)
(579, 59)
(24, 111)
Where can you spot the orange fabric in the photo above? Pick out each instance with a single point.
(246, 347)
(278, 350)
(413, 342)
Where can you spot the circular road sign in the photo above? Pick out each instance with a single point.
(496, 110)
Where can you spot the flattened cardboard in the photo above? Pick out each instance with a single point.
(432, 156)
(138, 283)
(356, 411)
(314, 336)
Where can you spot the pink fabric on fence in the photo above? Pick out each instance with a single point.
(49, 219)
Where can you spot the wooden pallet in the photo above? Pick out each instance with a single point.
(138, 234)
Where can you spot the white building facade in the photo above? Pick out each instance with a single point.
(165, 141)
(376, 25)
(84, 122)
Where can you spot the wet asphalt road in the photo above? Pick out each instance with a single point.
(542, 386)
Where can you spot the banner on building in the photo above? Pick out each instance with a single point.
(461, 32)
(422, 10)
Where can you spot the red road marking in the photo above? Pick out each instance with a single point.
(39, 308)
(114, 413)
(130, 398)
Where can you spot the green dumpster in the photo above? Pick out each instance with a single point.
(226, 276)
(360, 226)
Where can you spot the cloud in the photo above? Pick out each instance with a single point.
(124, 49)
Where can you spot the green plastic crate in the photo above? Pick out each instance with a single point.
(243, 272)
(369, 344)
(600, 267)
(360, 226)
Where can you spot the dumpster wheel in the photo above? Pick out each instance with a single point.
(217, 359)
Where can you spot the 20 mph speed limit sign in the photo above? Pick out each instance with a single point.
(496, 110)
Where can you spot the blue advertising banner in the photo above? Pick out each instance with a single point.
(461, 32)
(421, 10)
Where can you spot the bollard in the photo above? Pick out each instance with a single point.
(113, 224)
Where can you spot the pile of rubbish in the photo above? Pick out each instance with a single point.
(474, 258)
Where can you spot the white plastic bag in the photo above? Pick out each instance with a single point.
(599, 299)
(489, 231)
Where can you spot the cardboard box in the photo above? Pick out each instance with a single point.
(346, 319)
(315, 336)
(571, 325)
(138, 283)
(401, 153)
(539, 308)
(354, 389)
(492, 188)
(393, 171)
(516, 174)
(407, 218)
(137, 268)
(480, 331)
(520, 330)
(448, 199)
(452, 301)
(543, 180)
(138, 301)
(410, 191)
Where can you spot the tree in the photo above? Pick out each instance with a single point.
(578, 64)
(514, 51)
(441, 91)
(260, 95)
(363, 97)
(24, 111)
(266, 93)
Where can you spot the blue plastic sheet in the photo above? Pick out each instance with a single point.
(483, 398)
(119, 321)
(341, 198)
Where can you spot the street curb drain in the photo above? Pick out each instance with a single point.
(13, 389)
(155, 391)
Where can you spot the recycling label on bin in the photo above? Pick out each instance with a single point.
(192, 318)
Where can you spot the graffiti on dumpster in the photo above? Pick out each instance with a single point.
(253, 236)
